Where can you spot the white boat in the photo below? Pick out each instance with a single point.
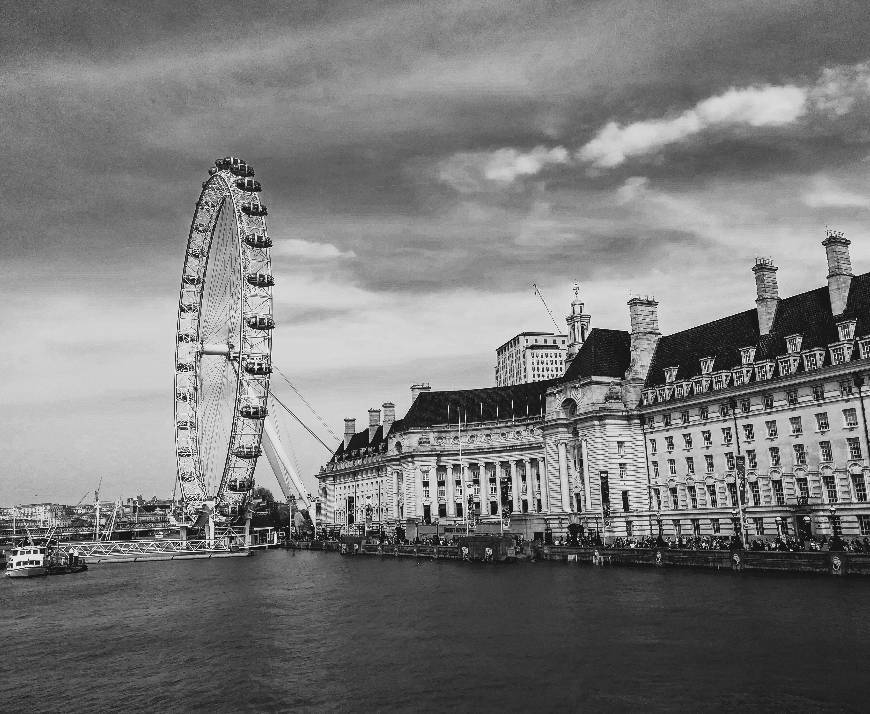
(26, 562)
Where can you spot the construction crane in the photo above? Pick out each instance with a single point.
(547, 307)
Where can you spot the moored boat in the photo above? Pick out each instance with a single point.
(27, 562)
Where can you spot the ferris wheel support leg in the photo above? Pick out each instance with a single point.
(282, 467)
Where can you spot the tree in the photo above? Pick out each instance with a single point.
(264, 494)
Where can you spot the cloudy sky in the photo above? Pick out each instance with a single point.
(424, 164)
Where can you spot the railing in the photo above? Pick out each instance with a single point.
(142, 547)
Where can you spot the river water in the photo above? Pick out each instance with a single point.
(314, 631)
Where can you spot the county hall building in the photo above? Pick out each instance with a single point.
(754, 421)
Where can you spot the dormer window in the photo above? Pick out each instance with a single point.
(864, 347)
(788, 365)
(793, 343)
(649, 396)
(846, 329)
(670, 374)
(747, 355)
(841, 351)
(707, 365)
(720, 380)
(813, 359)
(764, 370)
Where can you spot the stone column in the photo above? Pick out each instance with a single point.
(563, 476)
(515, 485)
(530, 485)
(545, 491)
(448, 489)
(587, 492)
(395, 494)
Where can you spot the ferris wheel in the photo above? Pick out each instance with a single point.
(223, 354)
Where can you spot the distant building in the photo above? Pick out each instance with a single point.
(530, 357)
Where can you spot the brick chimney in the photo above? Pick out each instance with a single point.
(416, 389)
(839, 269)
(374, 422)
(644, 338)
(767, 293)
(349, 430)
(389, 416)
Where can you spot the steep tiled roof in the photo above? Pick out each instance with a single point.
(807, 314)
(605, 353)
(476, 405)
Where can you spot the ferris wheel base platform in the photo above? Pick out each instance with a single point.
(180, 556)
(145, 551)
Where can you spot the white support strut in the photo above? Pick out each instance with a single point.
(282, 467)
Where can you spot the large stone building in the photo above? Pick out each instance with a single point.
(530, 357)
(644, 433)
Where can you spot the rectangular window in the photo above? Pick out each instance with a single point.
(693, 496)
(797, 427)
(652, 447)
(666, 420)
(605, 490)
(690, 464)
(732, 493)
(860, 487)
(687, 440)
(708, 458)
(696, 527)
(830, 488)
(822, 421)
(625, 505)
(704, 413)
(850, 417)
(800, 454)
(678, 528)
(755, 492)
(657, 492)
(791, 397)
(729, 460)
(825, 451)
(707, 437)
(628, 529)
(774, 456)
(759, 525)
(655, 468)
(620, 448)
(778, 494)
(623, 470)
(845, 387)
(745, 405)
(711, 496)
(768, 401)
(854, 447)
(669, 443)
(723, 409)
(803, 487)
(748, 432)
(684, 416)
(675, 499)
(818, 392)
(727, 436)
(864, 524)
(751, 459)
(771, 429)
(714, 523)
(672, 466)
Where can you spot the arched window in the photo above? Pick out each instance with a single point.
(569, 408)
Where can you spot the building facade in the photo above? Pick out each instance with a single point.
(530, 357)
(751, 425)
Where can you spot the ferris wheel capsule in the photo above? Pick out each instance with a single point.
(258, 365)
(247, 451)
(254, 209)
(261, 280)
(248, 184)
(240, 485)
(258, 240)
(260, 322)
(253, 411)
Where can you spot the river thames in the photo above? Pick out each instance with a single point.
(310, 631)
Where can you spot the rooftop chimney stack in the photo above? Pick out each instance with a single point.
(389, 416)
(839, 269)
(644, 338)
(349, 430)
(767, 293)
(374, 422)
(416, 389)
